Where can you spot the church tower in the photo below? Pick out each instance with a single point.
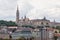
(17, 16)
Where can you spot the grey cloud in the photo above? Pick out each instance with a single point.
(7, 9)
(26, 8)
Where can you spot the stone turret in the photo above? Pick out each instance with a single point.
(44, 18)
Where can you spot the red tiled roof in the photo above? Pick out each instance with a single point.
(50, 29)
(57, 34)
(21, 28)
(55, 23)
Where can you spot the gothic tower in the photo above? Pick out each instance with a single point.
(17, 15)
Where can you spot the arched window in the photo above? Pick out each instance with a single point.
(47, 23)
(42, 23)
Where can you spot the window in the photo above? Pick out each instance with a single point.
(47, 23)
(41, 22)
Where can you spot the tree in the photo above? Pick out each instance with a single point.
(54, 27)
(47, 26)
(28, 26)
(32, 38)
(7, 23)
(22, 38)
(55, 37)
(58, 27)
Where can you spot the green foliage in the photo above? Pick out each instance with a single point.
(47, 26)
(58, 27)
(21, 38)
(55, 37)
(7, 23)
(53, 27)
(59, 31)
(28, 26)
(4, 39)
(32, 38)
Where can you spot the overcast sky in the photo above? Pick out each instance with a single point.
(33, 9)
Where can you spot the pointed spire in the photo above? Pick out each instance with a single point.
(17, 9)
(17, 15)
(54, 21)
(25, 17)
(44, 18)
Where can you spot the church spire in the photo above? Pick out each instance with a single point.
(54, 21)
(44, 18)
(17, 15)
(25, 17)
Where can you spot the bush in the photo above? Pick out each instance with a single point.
(21, 38)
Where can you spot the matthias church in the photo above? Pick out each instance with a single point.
(34, 22)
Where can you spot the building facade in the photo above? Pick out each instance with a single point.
(34, 22)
